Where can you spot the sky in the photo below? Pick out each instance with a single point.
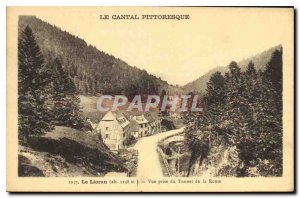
(178, 51)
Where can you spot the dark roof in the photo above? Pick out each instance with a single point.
(133, 125)
(151, 116)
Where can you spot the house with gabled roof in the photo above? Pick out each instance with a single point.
(154, 122)
(143, 125)
(114, 130)
(134, 129)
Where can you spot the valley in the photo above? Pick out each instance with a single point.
(63, 133)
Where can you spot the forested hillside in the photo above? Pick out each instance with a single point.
(50, 123)
(92, 71)
(260, 61)
(240, 131)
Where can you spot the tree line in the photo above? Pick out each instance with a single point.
(47, 95)
(92, 71)
(245, 109)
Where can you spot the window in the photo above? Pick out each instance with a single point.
(106, 128)
(106, 136)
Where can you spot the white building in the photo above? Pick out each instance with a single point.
(143, 125)
(114, 130)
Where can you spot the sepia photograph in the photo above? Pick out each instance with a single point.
(151, 99)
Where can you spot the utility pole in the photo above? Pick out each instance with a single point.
(159, 122)
(178, 152)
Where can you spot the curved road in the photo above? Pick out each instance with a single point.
(149, 165)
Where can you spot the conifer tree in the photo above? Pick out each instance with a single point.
(274, 70)
(251, 71)
(66, 106)
(245, 108)
(270, 121)
(216, 90)
(33, 85)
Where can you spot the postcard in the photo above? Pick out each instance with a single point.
(150, 99)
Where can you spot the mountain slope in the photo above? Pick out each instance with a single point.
(93, 71)
(67, 152)
(259, 60)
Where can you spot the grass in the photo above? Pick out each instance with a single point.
(75, 148)
(90, 140)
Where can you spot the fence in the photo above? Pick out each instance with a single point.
(162, 155)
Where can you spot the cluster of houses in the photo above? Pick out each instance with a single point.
(117, 131)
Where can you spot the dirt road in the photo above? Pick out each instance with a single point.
(149, 165)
